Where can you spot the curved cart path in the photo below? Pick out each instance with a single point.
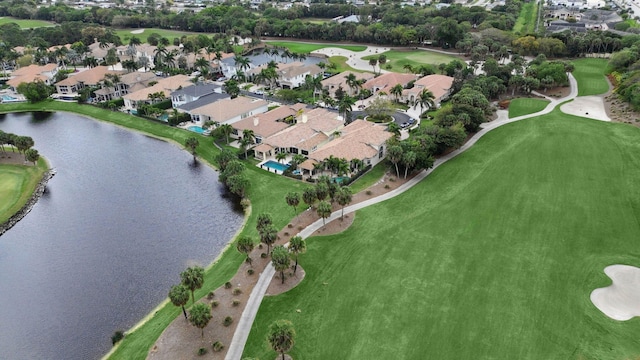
(241, 335)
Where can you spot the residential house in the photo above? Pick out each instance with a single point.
(360, 140)
(31, 73)
(164, 86)
(268, 124)
(439, 85)
(229, 111)
(313, 129)
(200, 102)
(294, 75)
(386, 81)
(77, 81)
(332, 84)
(192, 93)
(128, 83)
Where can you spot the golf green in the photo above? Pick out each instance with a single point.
(525, 106)
(493, 256)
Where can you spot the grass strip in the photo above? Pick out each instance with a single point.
(590, 75)
(525, 106)
(17, 184)
(303, 48)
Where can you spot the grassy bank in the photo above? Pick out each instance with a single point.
(590, 75)
(493, 256)
(267, 193)
(526, 22)
(525, 106)
(303, 48)
(125, 34)
(399, 58)
(17, 184)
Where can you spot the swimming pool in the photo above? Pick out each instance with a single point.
(8, 98)
(275, 165)
(196, 129)
(341, 179)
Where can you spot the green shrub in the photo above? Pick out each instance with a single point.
(210, 295)
(228, 321)
(250, 271)
(227, 285)
(237, 291)
(202, 351)
(235, 302)
(117, 336)
(214, 303)
(217, 346)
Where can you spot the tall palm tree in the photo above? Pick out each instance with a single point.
(226, 130)
(193, 278)
(281, 156)
(242, 62)
(345, 106)
(352, 82)
(159, 55)
(396, 91)
(425, 99)
(133, 42)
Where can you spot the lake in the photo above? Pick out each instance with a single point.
(124, 215)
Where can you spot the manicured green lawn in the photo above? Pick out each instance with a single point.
(17, 184)
(26, 24)
(525, 106)
(341, 64)
(267, 194)
(590, 74)
(493, 256)
(304, 48)
(399, 58)
(526, 22)
(369, 178)
(125, 34)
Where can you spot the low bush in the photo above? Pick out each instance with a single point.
(227, 285)
(235, 302)
(217, 346)
(237, 291)
(263, 255)
(227, 321)
(117, 336)
(250, 271)
(210, 295)
(214, 303)
(202, 351)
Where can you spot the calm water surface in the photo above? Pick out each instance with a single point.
(124, 215)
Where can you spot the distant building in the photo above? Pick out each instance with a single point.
(32, 73)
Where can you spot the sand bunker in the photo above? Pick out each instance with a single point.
(139, 31)
(620, 300)
(591, 107)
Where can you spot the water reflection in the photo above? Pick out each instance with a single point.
(121, 219)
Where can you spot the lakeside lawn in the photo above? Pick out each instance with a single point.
(589, 74)
(493, 256)
(17, 184)
(26, 24)
(526, 22)
(267, 193)
(525, 106)
(304, 48)
(399, 58)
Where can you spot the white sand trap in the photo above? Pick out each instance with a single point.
(620, 300)
(591, 107)
(138, 31)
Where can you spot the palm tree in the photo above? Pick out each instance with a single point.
(324, 210)
(242, 62)
(396, 91)
(394, 128)
(281, 156)
(352, 83)
(425, 99)
(343, 197)
(193, 278)
(373, 63)
(245, 245)
(345, 106)
(133, 42)
(179, 296)
(408, 160)
(199, 316)
(225, 129)
(159, 55)
(249, 135)
(394, 153)
(191, 144)
(297, 246)
(293, 200)
(268, 236)
(409, 68)
(281, 336)
(280, 260)
(201, 64)
(286, 54)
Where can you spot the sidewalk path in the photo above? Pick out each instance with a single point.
(241, 335)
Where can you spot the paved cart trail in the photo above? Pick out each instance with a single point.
(241, 335)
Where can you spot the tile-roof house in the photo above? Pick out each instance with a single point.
(439, 85)
(268, 123)
(294, 76)
(192, 93)
(229, 111)
(129, 82)
(386, 81)
(313, 129)
(75, 82)
(360, 140)
(165, 86)
(332, 84)
(31, 73)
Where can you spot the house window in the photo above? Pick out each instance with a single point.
(381, 152)
(305, 152)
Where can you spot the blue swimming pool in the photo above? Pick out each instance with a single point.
(341, 179)
(275, 165)
(197, 129)
(8, 98)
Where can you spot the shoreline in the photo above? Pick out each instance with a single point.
(40, 189)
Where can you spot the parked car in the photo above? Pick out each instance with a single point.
(404, 125)
(412, 121)
(259, 92)
(361, 107)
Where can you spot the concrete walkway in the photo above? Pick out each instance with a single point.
(241, 335)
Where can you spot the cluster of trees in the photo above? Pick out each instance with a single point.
(231, 172)
(24, 145)
(192, 280)
(35, 91)
(326, 192)
(625, 66)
